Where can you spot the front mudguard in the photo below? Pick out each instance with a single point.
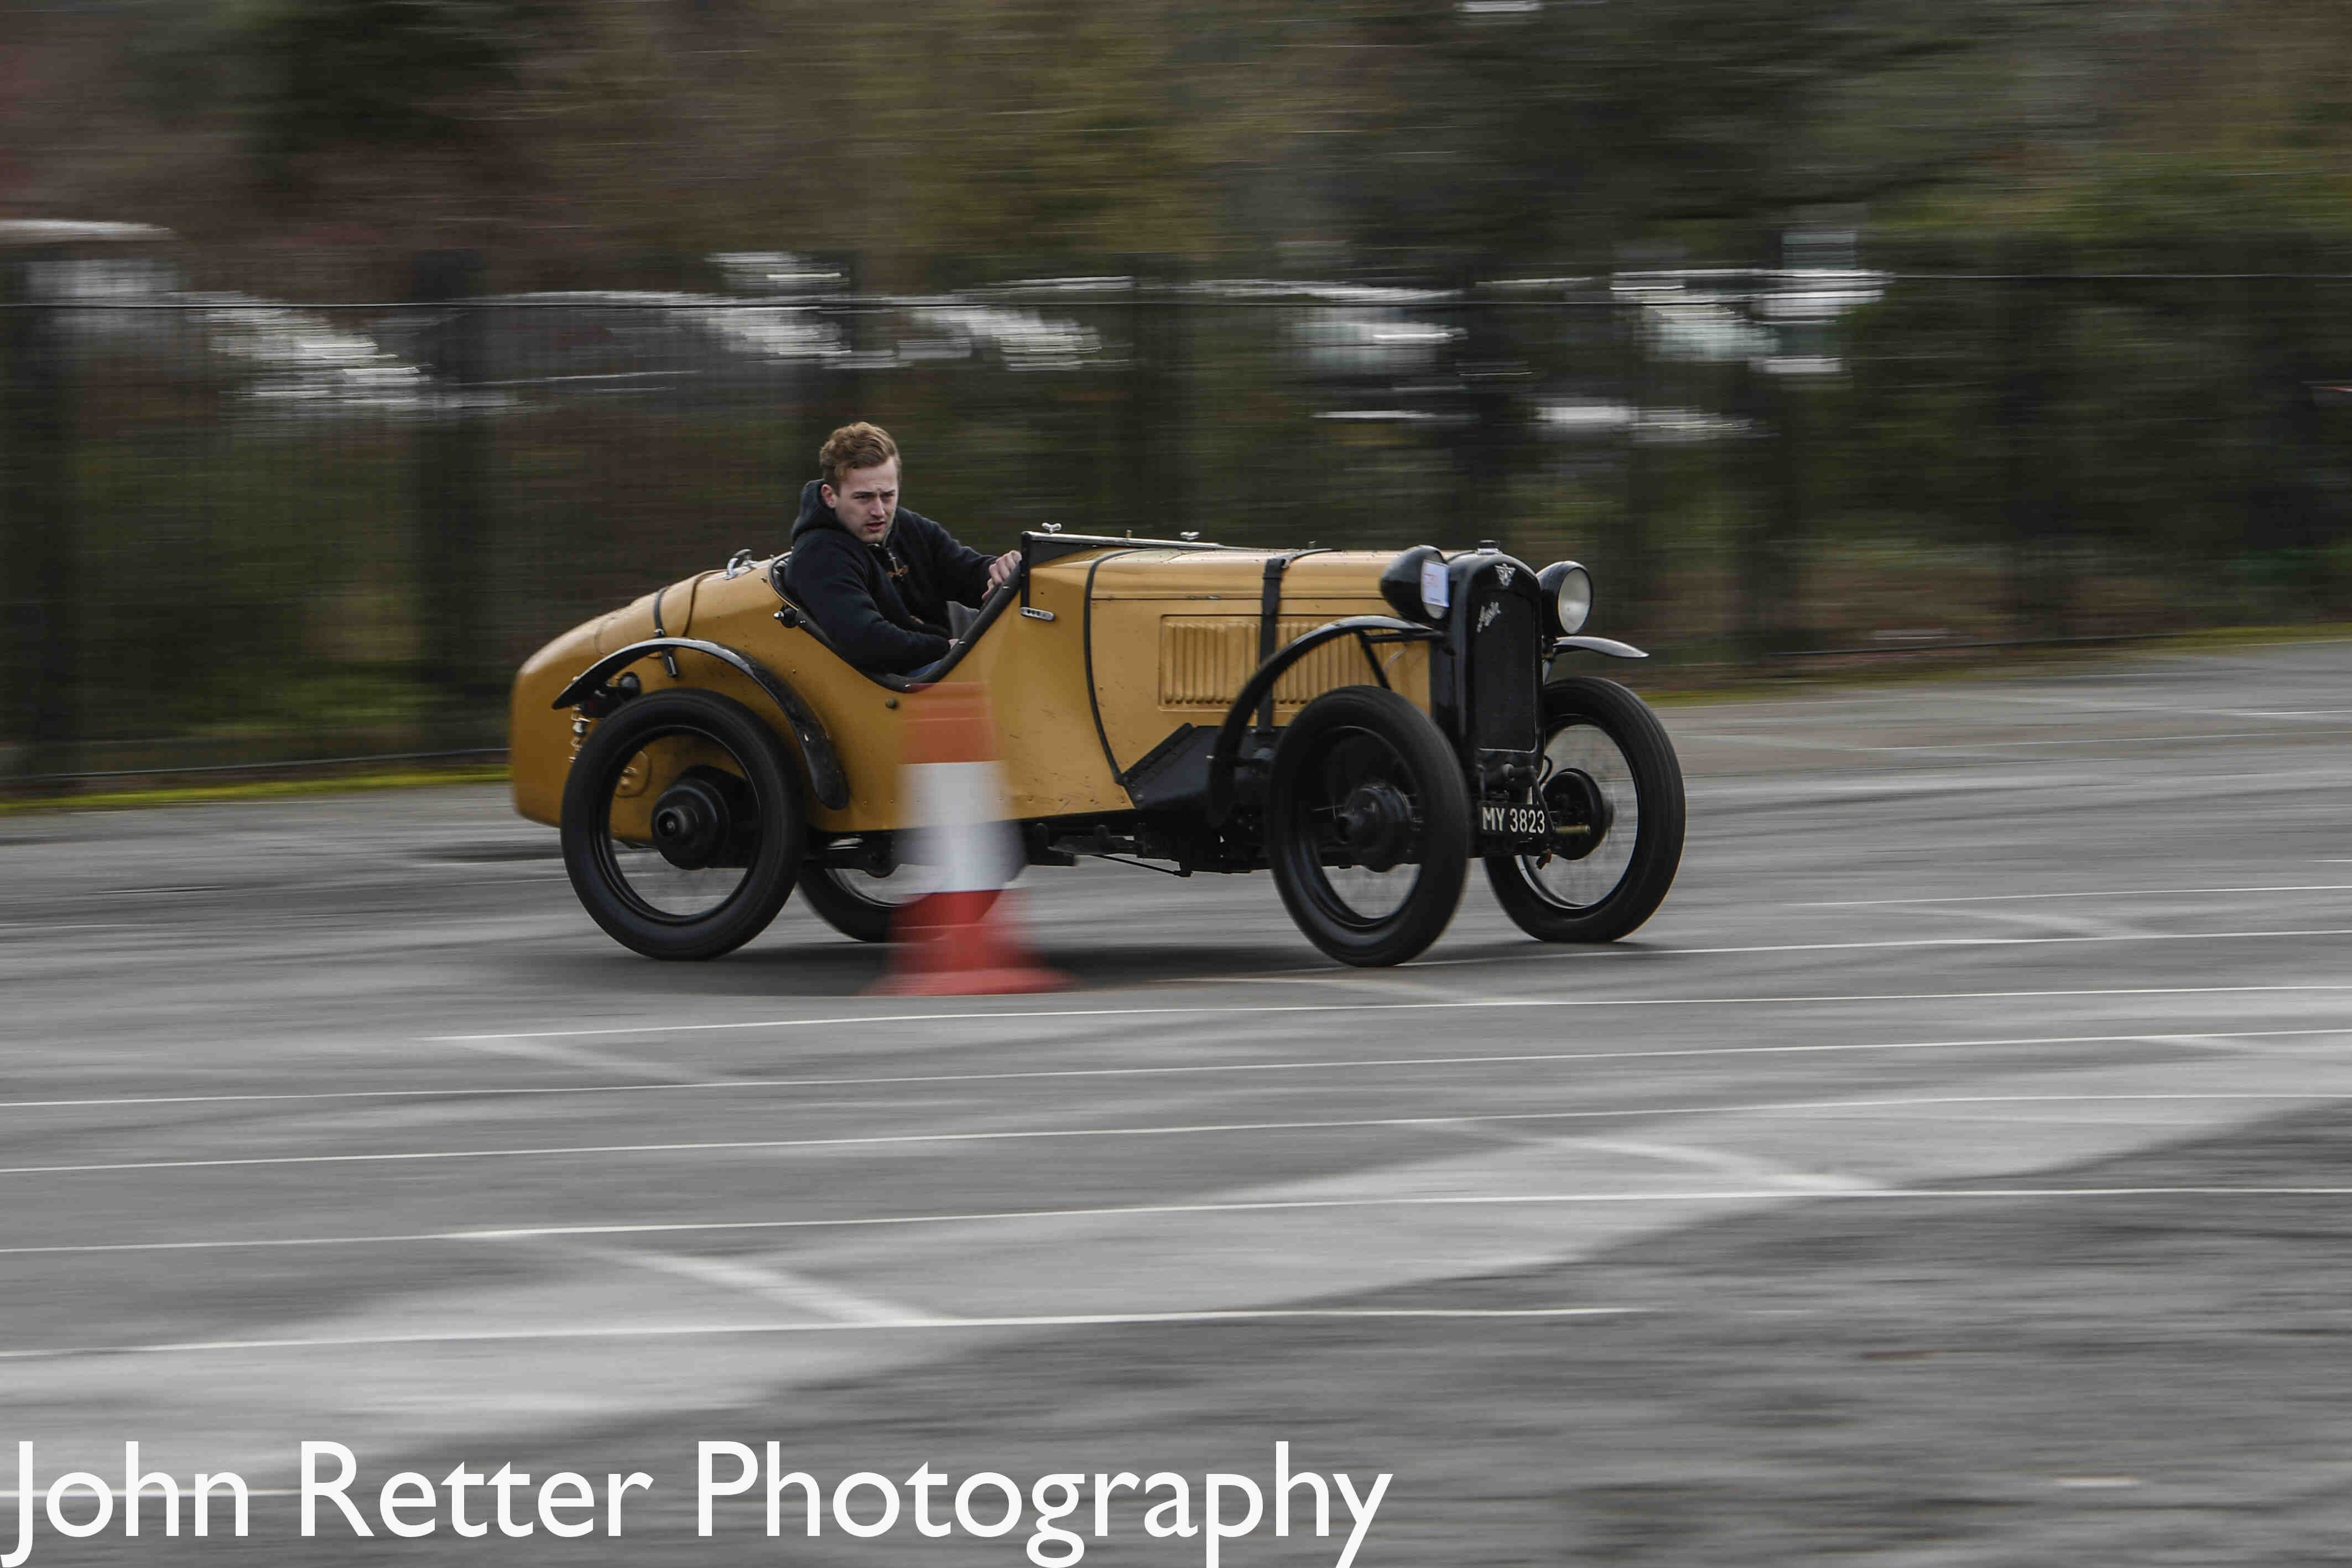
(1225, 756)
(1595, 645)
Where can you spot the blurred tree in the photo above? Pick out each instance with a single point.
(360, 71)
(338, 77)
(1572, 129)
(1439, 129)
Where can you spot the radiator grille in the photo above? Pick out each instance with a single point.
(1502, 672)
(1205, 659)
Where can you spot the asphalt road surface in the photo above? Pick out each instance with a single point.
(1952, 1173)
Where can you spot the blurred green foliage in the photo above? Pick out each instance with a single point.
(347, 75)
(1438, 134)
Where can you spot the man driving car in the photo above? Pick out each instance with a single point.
(875, 576)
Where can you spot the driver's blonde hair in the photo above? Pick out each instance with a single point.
(859, 446)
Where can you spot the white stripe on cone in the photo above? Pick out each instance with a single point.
(958, 828)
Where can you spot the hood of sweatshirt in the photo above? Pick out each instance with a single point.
(815, 512)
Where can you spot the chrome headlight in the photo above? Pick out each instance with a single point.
(1567, 596)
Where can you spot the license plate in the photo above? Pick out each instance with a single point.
(1515, 821)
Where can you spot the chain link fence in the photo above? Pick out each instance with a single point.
(245, 530)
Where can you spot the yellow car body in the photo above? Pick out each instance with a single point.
(1362, 723)
(1174, 634)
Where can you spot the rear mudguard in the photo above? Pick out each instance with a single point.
(826, 781)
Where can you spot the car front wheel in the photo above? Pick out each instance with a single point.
(682, 824)
(1368, 826)
(1615, 793)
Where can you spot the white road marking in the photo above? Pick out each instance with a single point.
(799, 1292)
(1995, 746)
(2107, 706)
(572, 1056)
(2053, 920)
(1309, 1065)
(1625, 953)
(1894, 784)
(1857, 1188)
(2096, 892)
(679, 1331)
(1227, 1009)
(2213, 1042)
(1191, 1129)
(1341, 976)
(851, 1020)
(2130, 739)
(1728, 1162)
(1685, 737)
(1388, 982)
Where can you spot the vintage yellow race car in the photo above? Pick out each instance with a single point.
(1362, 722)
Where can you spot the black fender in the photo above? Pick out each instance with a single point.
(826, 782)
(1226, 754)
(1597, 646)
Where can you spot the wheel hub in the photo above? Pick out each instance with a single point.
(1375, 823)
(1580, 813)
(690, 821)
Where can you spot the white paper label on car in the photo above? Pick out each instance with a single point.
(1435, 592)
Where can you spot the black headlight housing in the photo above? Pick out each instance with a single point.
(1401, 584)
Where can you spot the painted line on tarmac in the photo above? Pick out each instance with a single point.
(1500, 1059)
(932, 1323)
(1995, 746)
(2166, 709)
(1191, 1129)
(1229, 1008)
(1786, 742)
(582, 1058)
(2098, 893)
(1623, 954)
(2129, 739)
(1782, 1193)
(1896, 785)
(763, 1282)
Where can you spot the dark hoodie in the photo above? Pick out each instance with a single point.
(885, 606)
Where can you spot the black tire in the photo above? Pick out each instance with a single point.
(1613, 770)
(703, 863)
(836, 898)
(1365, 785)
(859, 904)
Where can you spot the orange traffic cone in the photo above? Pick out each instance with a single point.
(959, 939)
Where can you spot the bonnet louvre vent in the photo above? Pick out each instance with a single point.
(1205, 659)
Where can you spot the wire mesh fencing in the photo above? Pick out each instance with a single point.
(244, 528)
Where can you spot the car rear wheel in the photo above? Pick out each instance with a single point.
(682, 825)
(859, 904)
(1368, 826)
(1615, 794)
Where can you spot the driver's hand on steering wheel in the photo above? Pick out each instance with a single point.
(1004, 568)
